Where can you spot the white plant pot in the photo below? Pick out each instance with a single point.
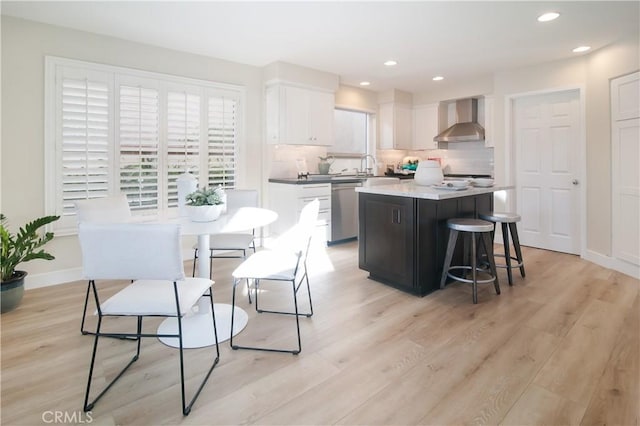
(204, 213)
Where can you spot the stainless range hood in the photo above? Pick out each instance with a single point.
(466, 128)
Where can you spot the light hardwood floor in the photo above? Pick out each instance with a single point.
(560, 347)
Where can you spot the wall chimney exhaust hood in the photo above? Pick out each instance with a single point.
(466, 128)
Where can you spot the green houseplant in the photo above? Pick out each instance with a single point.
(205, 204)
(17, 248)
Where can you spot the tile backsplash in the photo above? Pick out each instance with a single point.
(463, 158)
(458, 158)
(284, 159)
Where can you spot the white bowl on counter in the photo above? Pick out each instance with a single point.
(483, 182)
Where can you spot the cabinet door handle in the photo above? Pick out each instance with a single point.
(395, 216)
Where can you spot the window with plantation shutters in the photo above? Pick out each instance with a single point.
(85, 141)
(139, 145)
(221, 141)
(78, 140)
(112, 130)
(183, 140)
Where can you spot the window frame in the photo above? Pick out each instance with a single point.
(370, 142)
(53, 185)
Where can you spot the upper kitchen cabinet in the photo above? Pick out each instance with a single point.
(425, 126)
(395, 127)
(299, 116)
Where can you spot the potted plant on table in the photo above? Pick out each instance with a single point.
(205, 204)
(17, 248)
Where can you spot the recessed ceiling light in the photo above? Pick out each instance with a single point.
(549, 16)
(581, 49)
(364, 83)
(438, 78)
(391, 63)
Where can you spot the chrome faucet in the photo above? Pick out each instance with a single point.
(363, 164)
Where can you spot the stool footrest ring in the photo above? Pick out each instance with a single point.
(466, 280)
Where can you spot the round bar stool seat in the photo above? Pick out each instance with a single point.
(508, 222)
(500, 217)
(473, 228)
(470, 225)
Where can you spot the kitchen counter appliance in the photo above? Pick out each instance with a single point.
(344, 211)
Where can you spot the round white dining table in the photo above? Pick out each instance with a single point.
(197, 326)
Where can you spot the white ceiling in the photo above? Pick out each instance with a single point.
(457, 40)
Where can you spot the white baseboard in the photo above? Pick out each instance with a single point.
(613, 263)
(52, 278)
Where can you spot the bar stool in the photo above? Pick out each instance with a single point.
(508, 221)
(471, 227)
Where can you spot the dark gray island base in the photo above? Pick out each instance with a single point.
(403, 240)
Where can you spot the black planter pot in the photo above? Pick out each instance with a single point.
(12, 291)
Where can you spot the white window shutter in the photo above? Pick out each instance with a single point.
(221, 141)
(138, 135)
(85, 134)
(83, 140)
(183, 139)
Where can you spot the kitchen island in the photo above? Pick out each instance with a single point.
(403, 231)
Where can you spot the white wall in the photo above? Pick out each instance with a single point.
(350, 97)
(603, 66)
(24, 46)
(447, 90)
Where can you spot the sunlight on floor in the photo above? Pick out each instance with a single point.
(318, 260)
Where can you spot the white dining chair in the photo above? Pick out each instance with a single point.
(286, 261)
(103, 210)
(151, 255)
(112, 209)
(236, 244)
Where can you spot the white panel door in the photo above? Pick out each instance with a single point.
(625, 165)
(546, 138)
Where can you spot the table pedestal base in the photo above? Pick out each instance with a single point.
(197, 329)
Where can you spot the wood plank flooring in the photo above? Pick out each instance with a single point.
(560, 347)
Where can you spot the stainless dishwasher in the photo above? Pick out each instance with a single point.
(344, 211)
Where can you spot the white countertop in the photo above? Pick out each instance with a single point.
(410, 189)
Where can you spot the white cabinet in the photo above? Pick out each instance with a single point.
(425, 126)
(299, 116)
(625, 176)
(289, 199)
(395, 127)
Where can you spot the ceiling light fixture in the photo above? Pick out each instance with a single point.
(364, 83)
(549, 16)
(581, 49)
(438, 78)
(390, 63)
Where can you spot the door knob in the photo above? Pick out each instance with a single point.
(575, 181)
